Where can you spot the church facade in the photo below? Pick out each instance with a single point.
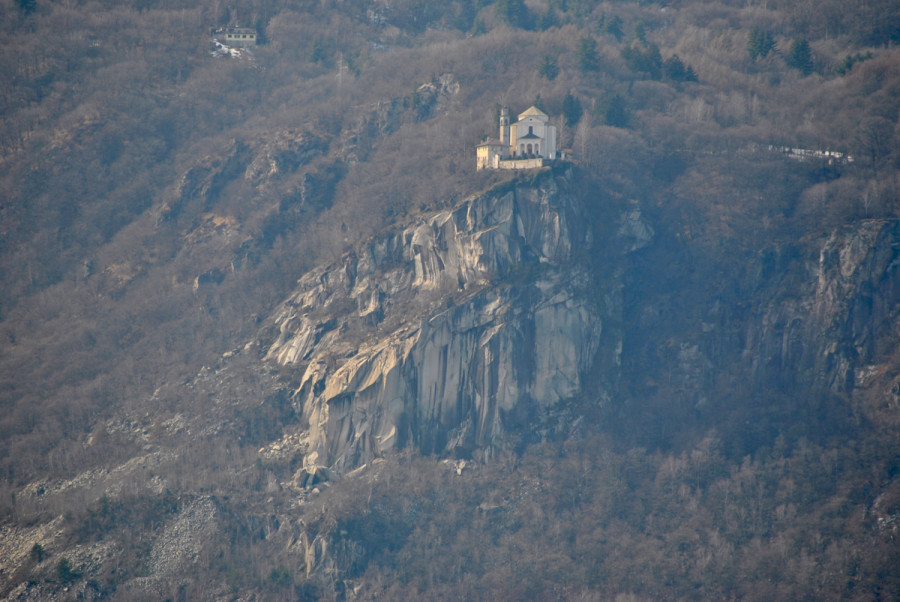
(525, 144)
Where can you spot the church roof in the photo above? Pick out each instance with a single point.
(532, 111)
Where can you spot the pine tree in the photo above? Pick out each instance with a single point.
(65, 574)
(690, 75)
(587, 55)
(611, 26)
(548, 68)
(513, 12)
(316, 52)
(27, 6)
(572, 110)
(546, 20)
(760, 43)
(674, 69)
(800, 57)
(640, 33)
(37, 552)
(612, 109)
(646, 60)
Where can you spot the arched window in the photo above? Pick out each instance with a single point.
(529, 149)
(537, 150)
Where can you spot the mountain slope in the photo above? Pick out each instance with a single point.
(266, 333)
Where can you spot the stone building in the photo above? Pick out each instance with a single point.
(235, 36)
(525, 144)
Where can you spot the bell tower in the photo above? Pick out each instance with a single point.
(504, 125)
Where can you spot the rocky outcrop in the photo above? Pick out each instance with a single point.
(202, 183)
(857, 299)
(434, 96)
(283, 153)
(448, 333)
(828, 322)
(258, 162)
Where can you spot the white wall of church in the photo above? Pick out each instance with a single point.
(551, 142)
(544, 144)
(530, 140)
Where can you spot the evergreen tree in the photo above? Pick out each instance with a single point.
(546, 20)
(611, 26)
(674, 69)
(640, 33)
(27, 6)
(586, 55)
(644, 60)
(37, 552)
(65, 574)
(690, 75)
(316, 52)
(464, 18)
(847, 64)
(581, 8)
(513, 13)
(800, 57)
(572, 110)
(760, 43)
(612, 109)
(548, 68)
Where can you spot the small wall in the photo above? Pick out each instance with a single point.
(521, 163)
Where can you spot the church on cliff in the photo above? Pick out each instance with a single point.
(525, 144)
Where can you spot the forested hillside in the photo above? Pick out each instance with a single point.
(727, 210)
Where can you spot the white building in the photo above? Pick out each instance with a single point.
(235, 36)
(522, 145)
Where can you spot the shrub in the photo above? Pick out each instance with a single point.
(37, 552)
(65, 573)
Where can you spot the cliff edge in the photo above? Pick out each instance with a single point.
(446, 334)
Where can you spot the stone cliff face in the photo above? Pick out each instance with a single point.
(446, 334)
(858, 300)
(826, 325)
(471, 323)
